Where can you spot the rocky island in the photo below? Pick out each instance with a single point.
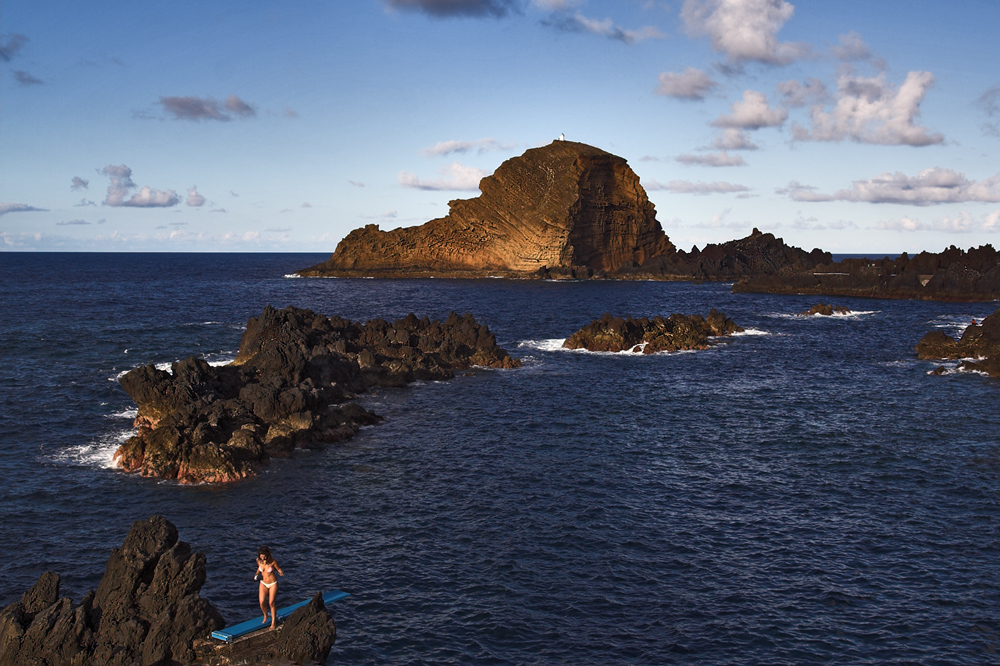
(290, 386)
(565, 207)
(952, 275)
(146, 610)
(979, 342)
(648, 336)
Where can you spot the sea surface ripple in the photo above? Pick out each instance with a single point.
(806, 493)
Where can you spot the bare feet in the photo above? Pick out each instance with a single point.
(264, 621)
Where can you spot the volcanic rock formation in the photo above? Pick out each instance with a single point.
(146, 609)
(825, 310)
(564, 206)
(978, 341)
(951, 275)
(288, 387)
(757, 254)
(676, 332)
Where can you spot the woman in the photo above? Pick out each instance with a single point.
(268, 588)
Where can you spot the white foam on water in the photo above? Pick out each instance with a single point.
(746, 331)
(129, 414)
(292, 276)
(552, 344)
(98, 453)
(854, 314)
(556, 345)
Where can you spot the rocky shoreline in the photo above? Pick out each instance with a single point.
(953, 275)
(979, 344)
(146, 610)
(648, 336)
(290, 386)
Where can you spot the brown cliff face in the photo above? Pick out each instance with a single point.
(563, 205)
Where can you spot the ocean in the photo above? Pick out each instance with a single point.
(801, 493)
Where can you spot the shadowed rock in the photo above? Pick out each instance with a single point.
(951, 275)
(978, 341)
(289, 387)
(146, 610)
(674, 333)
(825, 310)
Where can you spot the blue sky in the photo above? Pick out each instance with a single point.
(251, 126)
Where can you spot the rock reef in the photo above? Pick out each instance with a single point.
(290, 386)
(979, 341)
(825, 310)
(952, 275)
(673, 333)
(565, 207)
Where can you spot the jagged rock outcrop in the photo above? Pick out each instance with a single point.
(304, 638)
(757, 254)
(674, 333)
(146, 610)
(289, 387)
(825, 310)
(979, 341)
(566, 206)
(952, 275)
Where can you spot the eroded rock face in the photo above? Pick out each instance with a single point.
(289, 387)
(979, 341)
(674, 333)
(952, 275)
(757, 254)
(146, 610)
(565, 206)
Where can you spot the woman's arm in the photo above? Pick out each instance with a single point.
(278, 568)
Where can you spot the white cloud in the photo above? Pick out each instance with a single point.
(744, 30)
(752, 113)
(989, 102)
(195, 199)
(691, 84)
(577, 22)
(449, 147)
(147, 197)
(454, 177)
(448, 8)
(79, 183)
(688, 187)
(734, 138)
(962, 223)
(872, 110)
(927, 188)
(19, 208)
(853, 48)
(812, 91)
(206, 108)
(722, 159)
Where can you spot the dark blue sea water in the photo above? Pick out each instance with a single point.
(805, 493)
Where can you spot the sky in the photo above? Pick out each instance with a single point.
(852, 126)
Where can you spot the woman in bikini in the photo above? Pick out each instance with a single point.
(266, 566)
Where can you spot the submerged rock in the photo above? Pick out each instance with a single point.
(825, 310)
(978, 341)
(146, 610)
(674, 333)
(289, 387)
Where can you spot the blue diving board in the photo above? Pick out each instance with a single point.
(243, 628)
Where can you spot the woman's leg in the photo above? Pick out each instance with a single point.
(262, 595)
(273, 595)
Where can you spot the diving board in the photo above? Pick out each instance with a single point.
(243, 628)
